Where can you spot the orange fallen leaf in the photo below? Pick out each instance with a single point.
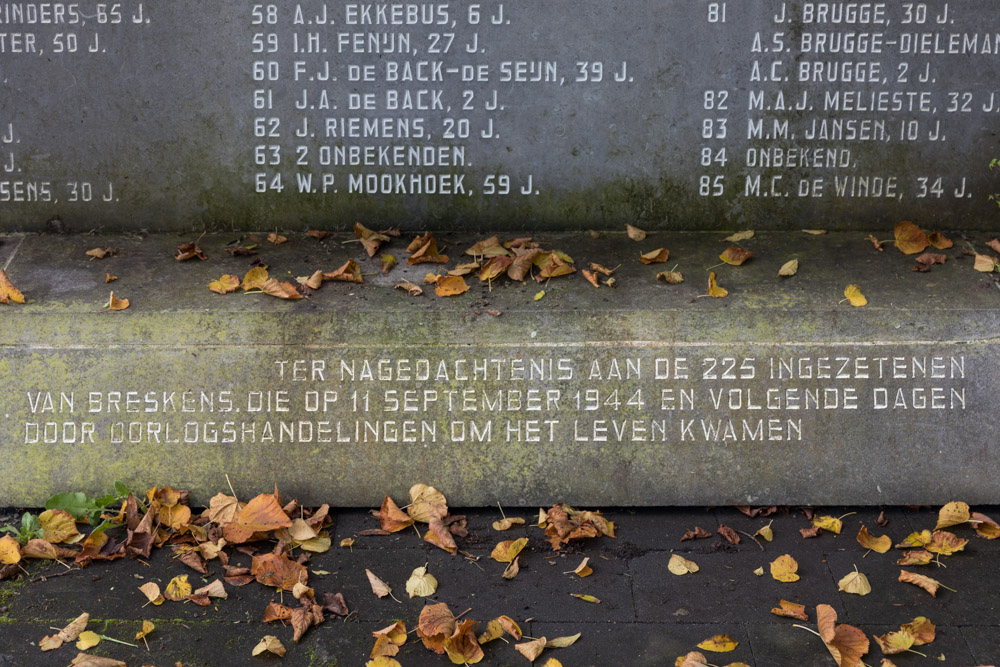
(875, 242)
(590, 277)
(790, 610)
(317, 234)
(462, 647)
(940, 241)
(282, 290)
(108, 278)
(424, 249)
(845, 643)
(186, 251)
(276, 239)
(508, 550)
(114, 303)
(877, 544)
(392, 518)
(277, 571)
(254, 278)
(435, 624)
(370, 239)
(922, 629)
(349, 272)
(451, 286)
(926, 583)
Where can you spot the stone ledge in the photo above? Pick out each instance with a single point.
(178, 336)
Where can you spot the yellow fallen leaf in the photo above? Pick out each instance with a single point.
(895, 642)
(254, 278)
(789, 268)
(680, 566)
(224, 285)
(7, 290)
(512, 569)
(178, 589)
(583, 570)
(735, 256)
(88, 639)
(347, 542)
(10, 550)
(830, 523)
(586, 598)
(507, 551)
(147, 627)
(784, 568)
(451, 286)
(854, 296)
(657, 256)
(877, 544)
(766, 532)
(532, 649)
(539, 295)
(945, 543)
(507, 523)
(672, 277)
(855, 583)
(421, 583)
(383, 661)
(714, 290)
(152, 592)
(269, 643)
(562, 642)
(816, 232)
(719, 644)
(759, 571)
(952, 514)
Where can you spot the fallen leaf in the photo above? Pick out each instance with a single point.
(921, 557)
(507, 523)
(269, 643)
(152, 592)
(108, 278)
(922, 630)
(147, 628)
(891, 643)
(508, 550)
(926, 583)
(216, 589)
(538, 295)
(552, 662)
(714, 290)
(583, 569)
(940, 241)
(586, 598)
(282, 290)
(790, 610)
(765, 532)
(276, 239)
(672, 277)
(512, 569)
(910, 239)
(729, 534)
(114, 303)
(379, 587)
(100, 253)
(440, 536)
(317, 234)
(634, 233)
(371, 240)
(854, 296)
(784, 568)
(435, 624)
(719, 644)
(562, 642)
(410, 288)
(553, 265)
(178, 589)
(876, 544)
(88, 639)
(254, 278)
(224, 285)
(657, 256)
(67, 634)
(915, 539)
(696, 533)
(87, 660)
(10, 550)
(984, 526)
(985, 263)
(929, 258)
(488, 248)
(952, 514)
(451, 286)
(739, 236)
(276, 612)
(855, 583)
(277, 571)
(875, 242)
(816, 232)
(759, 571)
(462, 647)
(680, 566)
(531, 649)
(186, 251)
(349, 272)
(789, 268)
(313, 282)
(735, 256)
(424, 249)
(845, 643)
(420, 583)
(590, 277)
(945, 543)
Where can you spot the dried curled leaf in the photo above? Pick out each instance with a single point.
(926, 583)
(940, 241)
(370, 239)
(114, 303)
(271, 644)
(790, 610)
(410, 288)
(349, 272)
(672, 277)
(985, 263)
(186, 251)
(508, 550)
(657, 256)
(714, 290)
(7, 290)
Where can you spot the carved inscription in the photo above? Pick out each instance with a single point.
(752, 398)
(313, 111)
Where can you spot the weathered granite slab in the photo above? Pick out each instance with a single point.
(557, 115)
(592, 395)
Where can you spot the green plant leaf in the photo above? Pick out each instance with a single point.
(121, 490)
(79, 506)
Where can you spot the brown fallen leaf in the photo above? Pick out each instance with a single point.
(67, 634)
(892, 643)
(739, 236)
(657, 256)
(926, 583)
(789, 268)
(875, 242)
(507, 523)
(370, 239)
(462, 646)
(409, 288)
(276, 239)
(512, 569)
(635, 233)
(984, 526)
(553, 265)
(424, 249)
(590, 277)
(531, 649)
(282, 290)
(317, 234)
(945, 543)
(379, 587)
(729, 534)
(845, 643)
(108, 278)
(790, 610)
(277, 571)
(114, 303)
(910, 239)
(435, 624)
(87, 660)
(696, 533)
(271, 644)
(735, 256)
(495, 267)
(489, 248)
(920, 557)
(186, 251)
(392, 518)
(349, 272)
(672, 277)
(929, 258)
(985, 263)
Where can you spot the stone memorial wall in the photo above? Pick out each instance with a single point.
(683, 114)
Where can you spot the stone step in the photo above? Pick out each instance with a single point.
(641, 393)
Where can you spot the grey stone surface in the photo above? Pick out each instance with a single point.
(594, 406)
(182, 115)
